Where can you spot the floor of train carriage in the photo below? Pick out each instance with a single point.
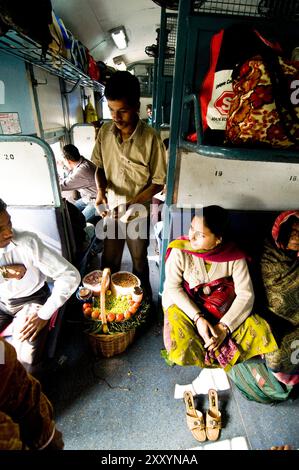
(127, 401)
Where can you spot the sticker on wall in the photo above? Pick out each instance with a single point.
(10, 123)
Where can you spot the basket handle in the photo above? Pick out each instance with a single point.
(104, 286)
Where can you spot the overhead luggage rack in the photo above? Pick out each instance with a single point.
(25, 48)
(228, 7)
(252, 8)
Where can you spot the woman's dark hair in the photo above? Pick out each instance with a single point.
(71, 153)
(122, 85)
(216, 219)
(285, 230)
(3, 206)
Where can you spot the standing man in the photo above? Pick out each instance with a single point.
(81, 178)
(25, 298)
(149, 112)
(131, 168)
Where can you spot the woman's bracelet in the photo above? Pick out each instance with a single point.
(226, 327)
(197, 316)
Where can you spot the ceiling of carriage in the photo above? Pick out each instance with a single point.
(90, 21)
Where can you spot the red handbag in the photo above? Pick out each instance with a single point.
(216, 296)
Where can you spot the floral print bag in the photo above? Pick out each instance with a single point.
(264, 110)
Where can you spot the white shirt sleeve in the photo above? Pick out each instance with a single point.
(65, 276)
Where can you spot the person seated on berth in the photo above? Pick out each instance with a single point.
(81, 177)
(208, 298)
(26, 414)
(26, 303)
(279, 266)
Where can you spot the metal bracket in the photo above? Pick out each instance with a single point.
(36, 82)
(74, 87)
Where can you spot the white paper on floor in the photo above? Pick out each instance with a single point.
(208, 378)
(236, 443)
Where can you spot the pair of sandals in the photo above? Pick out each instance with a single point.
(200, 429)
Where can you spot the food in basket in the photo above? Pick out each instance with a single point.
(137, 294)
(93, 280)
(122, 315)
(125, 279)
(123, 283)
(84, 293)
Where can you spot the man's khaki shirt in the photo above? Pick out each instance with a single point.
(132, 165)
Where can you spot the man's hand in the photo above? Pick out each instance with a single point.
(101, 203)
(32, 326)
(13, 271)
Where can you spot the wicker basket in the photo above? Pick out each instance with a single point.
(110, 345)
(104, 344)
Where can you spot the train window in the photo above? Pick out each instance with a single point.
(83, 137)
(145, 74)
(105, 109)
(57, 150)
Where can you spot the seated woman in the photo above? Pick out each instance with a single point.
(280, 274)
(208, 298)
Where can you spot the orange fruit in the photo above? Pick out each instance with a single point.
(95, 313)
(88, 311)
(133, 309)
(127, 314)
(111, 316)
(119, 317)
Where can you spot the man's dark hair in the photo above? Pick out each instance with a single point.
(71, 153)
(3, 206)
(123, 85)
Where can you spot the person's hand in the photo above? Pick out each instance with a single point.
(206, 331)
(56, 443)
(32, 326)
(14, 271)
(221, 334)
(101, 203)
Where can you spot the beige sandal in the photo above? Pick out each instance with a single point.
(195, 420)
(213, 417)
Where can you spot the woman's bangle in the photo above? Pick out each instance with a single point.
(226, 327)
(197, 316)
